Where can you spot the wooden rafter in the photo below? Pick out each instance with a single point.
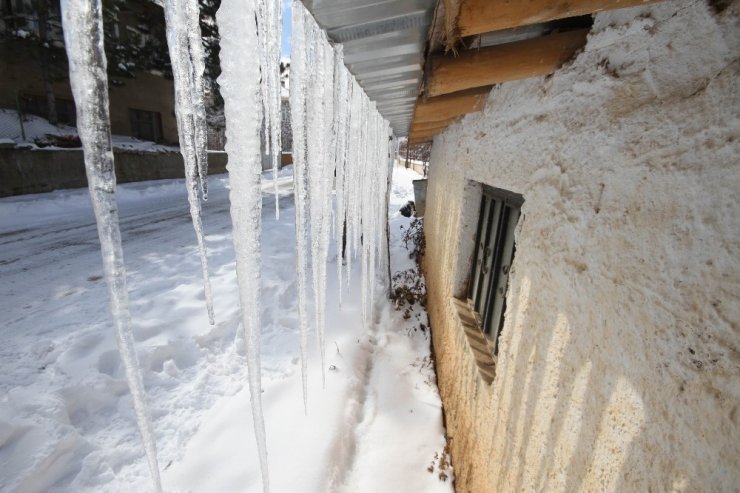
(481, 16)
(503, 63)
(451, 105)
(425, 126)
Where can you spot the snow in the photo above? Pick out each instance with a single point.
(66, 423)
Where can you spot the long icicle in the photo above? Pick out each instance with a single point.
(341, 110)
(197, 65)
(269, 23)
(240, 87)
(315, 147)
(191, 142)
(298, 113)
(276, 120)
(83, 37)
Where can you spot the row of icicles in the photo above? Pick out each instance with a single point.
(342, 147)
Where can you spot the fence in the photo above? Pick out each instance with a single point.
(418, 166)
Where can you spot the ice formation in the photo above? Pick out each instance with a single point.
(186, 55)
(341, 120)
(241, 88)
(300, 183)
(83, 38)
(269, 23)
(341, 142)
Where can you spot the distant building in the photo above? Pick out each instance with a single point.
(34, 66)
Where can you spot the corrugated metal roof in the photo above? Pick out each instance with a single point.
(384, 44)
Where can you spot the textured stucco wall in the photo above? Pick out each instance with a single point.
(619, 367)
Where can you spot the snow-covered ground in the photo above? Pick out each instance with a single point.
(66, 416)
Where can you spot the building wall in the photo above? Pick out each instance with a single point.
(619, 367)
(21, 74)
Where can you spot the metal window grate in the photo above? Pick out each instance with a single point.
(494, 252)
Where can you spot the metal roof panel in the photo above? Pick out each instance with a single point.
(384, 43)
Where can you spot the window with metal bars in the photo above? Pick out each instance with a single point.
(494, 252)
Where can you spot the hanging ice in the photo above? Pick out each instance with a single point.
(341, 116)
(320, 169)
(186, 55)
(269, 23)
(240, 88)
(335, 128)
(83, 37)
(300, 184)
(197, 57)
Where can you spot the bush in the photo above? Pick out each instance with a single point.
(409, 287)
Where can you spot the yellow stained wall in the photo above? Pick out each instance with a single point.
(619, 364)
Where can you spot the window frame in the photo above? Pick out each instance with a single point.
(498, 217)
(136, 116)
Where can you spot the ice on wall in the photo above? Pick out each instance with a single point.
(241, 89)
(83, 39)
(341, 148)
(186, 55)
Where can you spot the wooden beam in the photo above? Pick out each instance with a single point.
(427, 132)
(422, 126)
(482, 16)
(451, 105)
(419, 140)
(502, 63)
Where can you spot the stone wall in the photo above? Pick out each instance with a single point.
(618, 367)
(36, 171)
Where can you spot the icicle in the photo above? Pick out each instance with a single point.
(83, 36)
(269, 23)
(298, 75)
(341, 114)
(319, 149)
(240, 87)
(197, 65)
(187, 101)
(326, 177)
(354, 176)
(335, 127)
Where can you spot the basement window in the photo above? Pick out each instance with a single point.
(146, 125)
(492, 258)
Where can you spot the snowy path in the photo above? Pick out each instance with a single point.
(66, 420)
